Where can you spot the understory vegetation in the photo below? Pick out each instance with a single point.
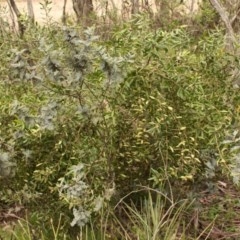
(129, 134)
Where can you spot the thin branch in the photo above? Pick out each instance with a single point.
(64, 18)
(30, 10)
(12, 17)
(21, 26)
(224, 16)
(235, 17)
(15, 8)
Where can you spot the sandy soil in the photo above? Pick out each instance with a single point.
(56, 8)
(40, 14)
(100, 6)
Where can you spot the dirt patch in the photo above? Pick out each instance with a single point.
(42, 13)
(101, 7)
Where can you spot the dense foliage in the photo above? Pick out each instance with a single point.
(85, 122)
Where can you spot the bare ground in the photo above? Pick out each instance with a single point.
(55, 9)
(102, 7)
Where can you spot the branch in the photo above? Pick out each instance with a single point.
(30, 10)
(15, 8)
(64, 12)
(18, 14)
(224, 16)
(236, 16)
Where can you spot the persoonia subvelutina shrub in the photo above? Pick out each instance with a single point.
(92, 121)
(173, 107)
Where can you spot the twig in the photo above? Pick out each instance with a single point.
(224, 16)
(64, 12)
(21, 26)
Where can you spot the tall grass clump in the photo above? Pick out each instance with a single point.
(156, 217)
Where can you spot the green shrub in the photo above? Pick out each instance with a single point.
(59, 123)
(174, 105)
(86, 122)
